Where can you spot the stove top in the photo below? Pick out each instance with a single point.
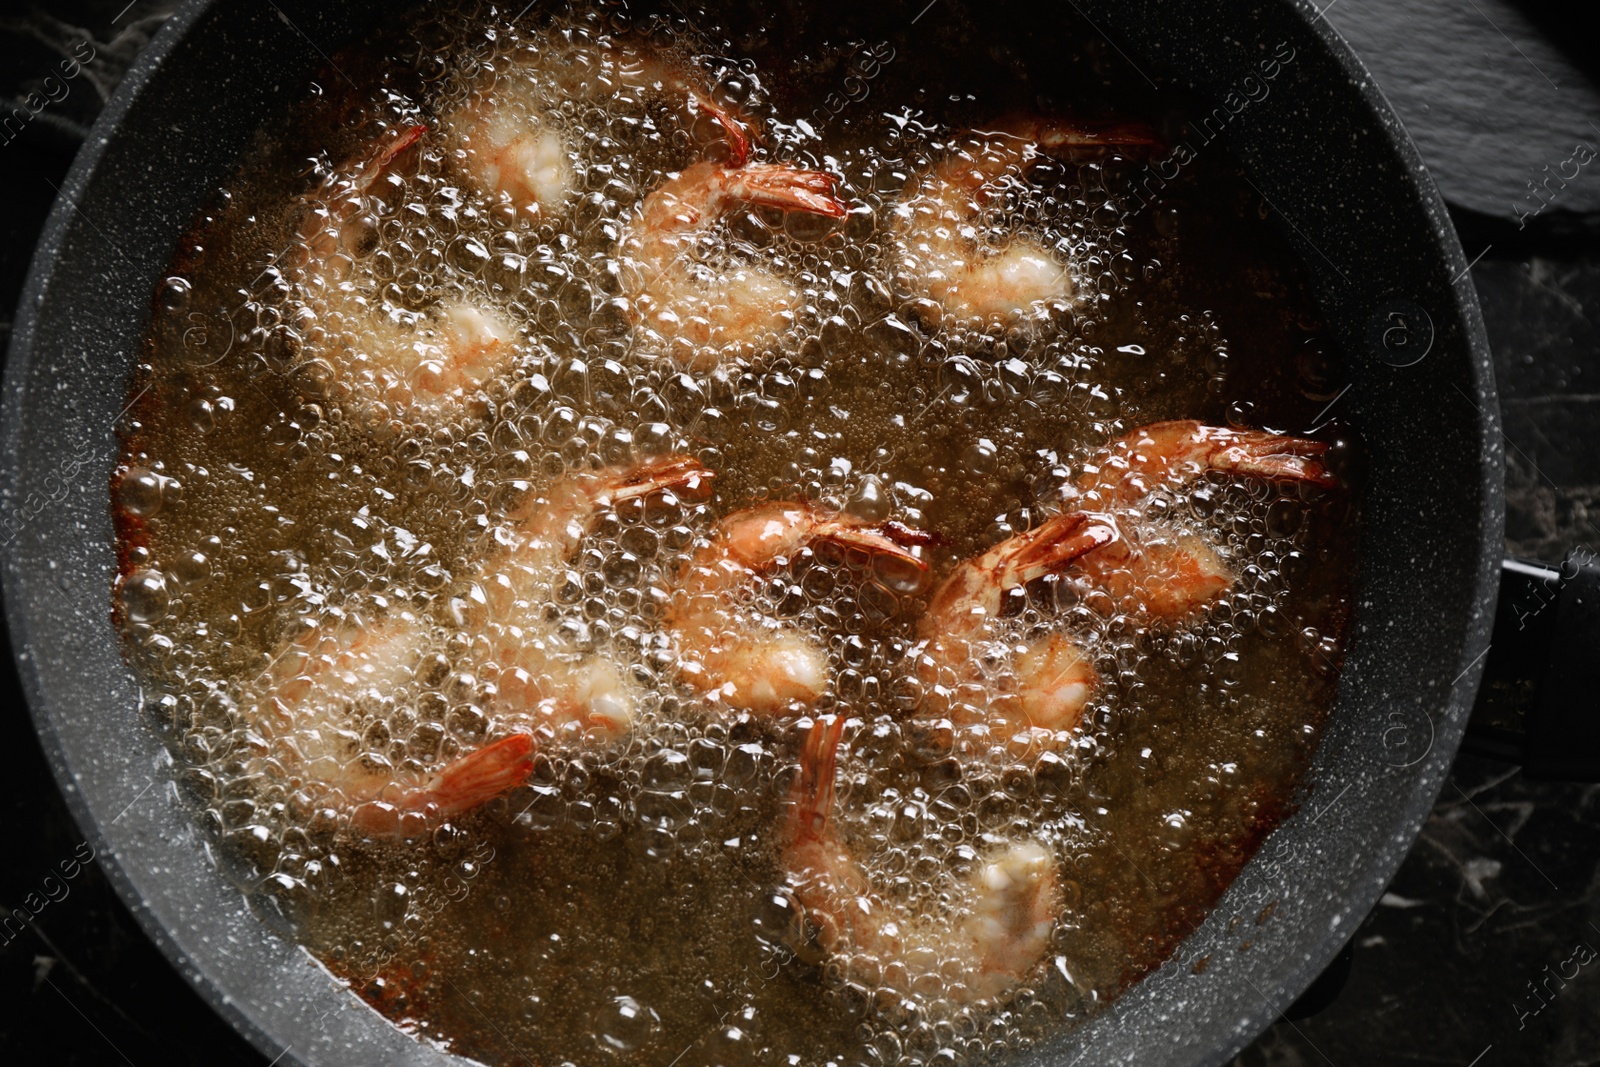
(1484, 950)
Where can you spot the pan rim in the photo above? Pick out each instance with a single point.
(19, 356)
(42, 269)
(1433, 768)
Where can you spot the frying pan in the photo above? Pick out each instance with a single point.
(1324, 151)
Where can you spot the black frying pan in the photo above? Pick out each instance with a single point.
(1324, 151)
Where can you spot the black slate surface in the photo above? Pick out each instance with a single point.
(1472, 958)
(1496, 94)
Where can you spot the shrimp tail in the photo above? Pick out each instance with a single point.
(388, 154)
(811, 798)
(975, 590)
(890, 540)
(473, 780)
(680, 474)
(1276, 458)
(1056, 544)
(479, 777)
(738, 134)
(910, 536)
(1162, 446)
(787, 188)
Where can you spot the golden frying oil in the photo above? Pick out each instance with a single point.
(627, 904)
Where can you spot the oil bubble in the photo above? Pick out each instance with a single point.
(144, 596)
(626, 1025)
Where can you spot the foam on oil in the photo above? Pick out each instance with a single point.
(298, 467)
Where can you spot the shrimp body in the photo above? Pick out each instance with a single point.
(439, 363)
(1054, 680)
(944, 254)
(513, 149)
(510, 141)
(705, 315)
(431, 362)
(763, 666)
(980, 950)
(540, 679)
(1164, 571)
(308, 726)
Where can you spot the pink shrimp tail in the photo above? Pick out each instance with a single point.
(684, 475)
(1275, 457)
(811, 799)
(1279, 459)
(1056, 544)
(888, 541)
(788, 188)
(910, 536)
(739, 136)
(975, 590)
(389, 153)
(479, 777)
(473, 780)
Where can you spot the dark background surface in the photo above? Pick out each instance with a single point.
(1459, 962)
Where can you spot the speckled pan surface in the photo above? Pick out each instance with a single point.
(1322, 148)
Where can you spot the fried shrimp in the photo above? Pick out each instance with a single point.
(761, 665)
(979, 949)
(308, 728)
(508, 137)
(540, 679)
(1163, 570)
(964, 635)
(702, 313)
(430, 362)
(948, 250)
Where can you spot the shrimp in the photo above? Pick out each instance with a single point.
(1178, 452)
(943, 253)
(432, 362)
(510, 148)
(343, 671)
(510, 142)
(444, 360)
(1160, 569)
(980, 950)
(332, 228)
(706, 315)
(539, 679)
(1054, 681)
(765, 667)
(308, 728)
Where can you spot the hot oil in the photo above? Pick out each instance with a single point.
(628, 903)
